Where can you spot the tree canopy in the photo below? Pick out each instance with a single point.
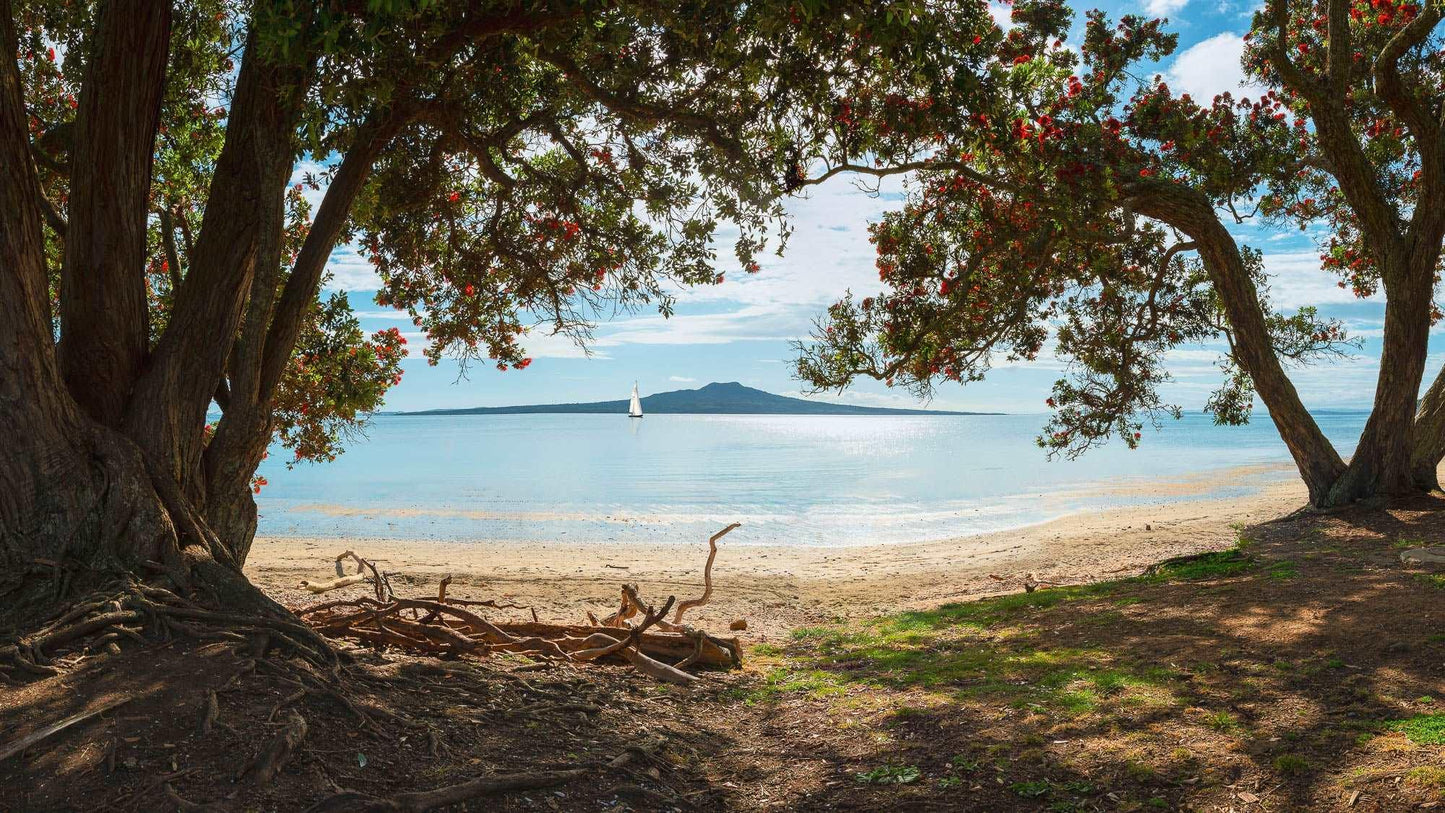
(506, 166)
(1073, 206)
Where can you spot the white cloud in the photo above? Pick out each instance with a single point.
(1002, 15)
(1163, 8)
(682, 379)
(748, 323)
(1209, 68)
(1296, 279)
(350, 271)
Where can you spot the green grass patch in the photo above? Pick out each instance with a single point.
(1425, 729)
(1291, 765)
(890, 775)
(1218, 565)
(1223, 722)
(1035, 789)
(1281, 571)
(1428, 777)
(1434, 580)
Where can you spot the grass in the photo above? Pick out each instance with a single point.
(1218, 565)
(1291, 765)
(1425, 729)
(1223, 722)
(1434, 580)
(890, 775)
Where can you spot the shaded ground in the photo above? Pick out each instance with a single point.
(1303, 670)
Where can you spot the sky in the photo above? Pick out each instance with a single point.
(741, 330)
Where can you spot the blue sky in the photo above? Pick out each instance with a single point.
(739, 331)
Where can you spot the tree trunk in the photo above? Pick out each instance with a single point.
(167, 412)
(1383, 462)
(74, 493)
(1318, 463)
(269, 336)
(103, 308)
(70, 489)
(1430, 436)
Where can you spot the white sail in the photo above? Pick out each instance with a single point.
(634, 409)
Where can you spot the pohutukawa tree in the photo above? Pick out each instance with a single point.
(1066, 201)
(503, 164)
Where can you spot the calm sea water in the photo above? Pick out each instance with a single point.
(790, 479)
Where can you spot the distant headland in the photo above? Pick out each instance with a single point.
(731, 398)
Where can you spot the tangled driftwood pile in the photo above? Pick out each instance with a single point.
(450, 627)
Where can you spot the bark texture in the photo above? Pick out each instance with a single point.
(1430, 436)
(69, 486)
(103, 309)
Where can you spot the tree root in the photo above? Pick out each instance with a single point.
(273, 757)
(11, 749)
(97, 623)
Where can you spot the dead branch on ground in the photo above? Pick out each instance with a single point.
(445, 626)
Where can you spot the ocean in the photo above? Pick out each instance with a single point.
(797, 480)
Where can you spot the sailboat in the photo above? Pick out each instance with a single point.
(634, 409)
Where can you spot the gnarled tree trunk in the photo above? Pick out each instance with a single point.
(81, 482)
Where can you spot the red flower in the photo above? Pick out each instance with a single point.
(469, 290)
(454, 197)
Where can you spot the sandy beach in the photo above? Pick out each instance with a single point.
(776, 587)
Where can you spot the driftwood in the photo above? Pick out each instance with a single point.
(445, 626)
(706, 575)
(334, 584)
(717, 652)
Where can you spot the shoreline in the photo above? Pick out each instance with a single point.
(778, 587)
(1208, 486)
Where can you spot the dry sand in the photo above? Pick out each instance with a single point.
(777, 587)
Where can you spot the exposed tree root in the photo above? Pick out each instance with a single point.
(11, 749)
(274, 755)
(129, 610)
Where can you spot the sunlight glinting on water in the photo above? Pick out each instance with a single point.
(813, 480)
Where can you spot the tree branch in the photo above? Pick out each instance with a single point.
(1340, 56)
(1405, 104)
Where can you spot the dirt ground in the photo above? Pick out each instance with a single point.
(1302, 669)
